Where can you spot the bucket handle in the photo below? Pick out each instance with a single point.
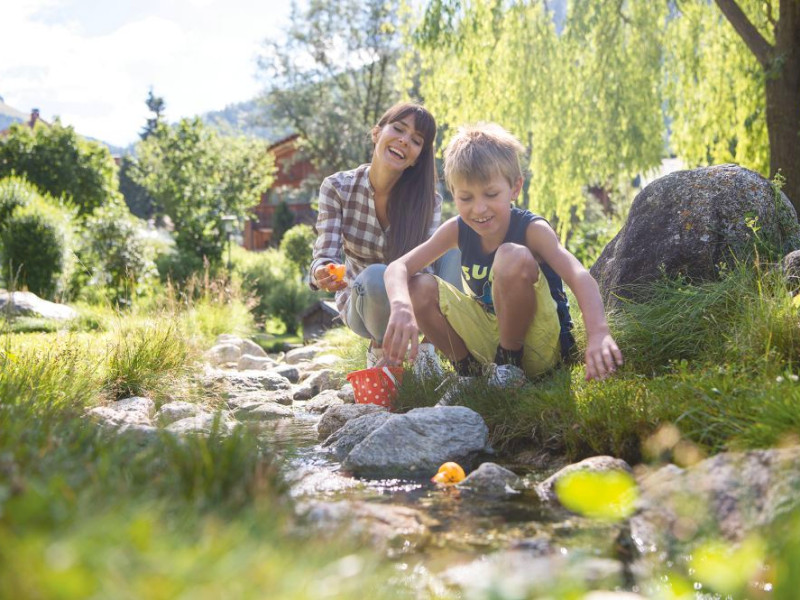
(390, 375)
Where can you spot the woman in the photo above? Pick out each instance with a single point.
(375, 214)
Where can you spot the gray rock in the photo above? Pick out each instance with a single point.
(140, 434)
(202, 424)
(290, 372)
(546, 489)
(251, 348)
(343, 440)
(298, 355)
(262, 411)
(688, 223)
(249, 362)
(228, 338)
(28, 304)
(347, 394)
(336, 416)
(736, 493)
(388, 528)
(324, 361)
(242, 382)
(175, 411)
(323, 401)
(316, 383)
(222, 354)
(791, 270)
(415, 444)
(520, 574)
(490, 479)
(129, 411)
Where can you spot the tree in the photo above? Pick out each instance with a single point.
(282, 221)
(331, 78)
(196, 177)
(156, 105)
(585, 100)
(136, 197)
(61, 163)
(735, 85)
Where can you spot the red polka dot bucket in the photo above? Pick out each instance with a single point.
(377, 385)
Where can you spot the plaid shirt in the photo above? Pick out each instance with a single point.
(347, 220)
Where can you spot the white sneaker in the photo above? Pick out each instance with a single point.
(506, 376)
(374, 356)
(454, 386)
(427, 365)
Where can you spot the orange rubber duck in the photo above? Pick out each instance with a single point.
(336, 271)
(450, 473)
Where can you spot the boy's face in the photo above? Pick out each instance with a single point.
(486, 205)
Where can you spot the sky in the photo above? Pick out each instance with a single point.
(92, 62)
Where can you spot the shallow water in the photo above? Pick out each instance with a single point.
(463, 527)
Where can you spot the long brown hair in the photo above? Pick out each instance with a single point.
(412, 198)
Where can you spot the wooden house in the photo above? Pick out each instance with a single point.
(291, 172)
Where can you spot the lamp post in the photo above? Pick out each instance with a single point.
(227, 226)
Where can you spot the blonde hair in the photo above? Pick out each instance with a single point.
(478, 152)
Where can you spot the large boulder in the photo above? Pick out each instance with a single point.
(28, 304)
(415, 444)
(689, 222)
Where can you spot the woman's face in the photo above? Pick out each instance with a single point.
(397, 144)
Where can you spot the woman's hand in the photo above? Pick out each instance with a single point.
(602, 356)
(401, 331)
(327, 281)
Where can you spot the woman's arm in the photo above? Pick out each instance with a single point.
(402, 328)
(328, 246)
(602, 354)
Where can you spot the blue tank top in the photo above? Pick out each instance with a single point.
(476, 271)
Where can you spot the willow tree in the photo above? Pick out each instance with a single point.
(585, 100)
(733, 71)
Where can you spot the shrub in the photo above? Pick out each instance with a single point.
(14, 192)
(114, 254)
(37, 242)
(277, 287)
(297, 246)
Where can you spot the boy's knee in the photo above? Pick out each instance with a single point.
(515, 262)
(424, 291)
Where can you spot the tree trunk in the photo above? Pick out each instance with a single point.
(783, 100)
(783, 126)
(781, 65)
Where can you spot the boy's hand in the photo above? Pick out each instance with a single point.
(602, 357)
(327, 280)
(401, 331)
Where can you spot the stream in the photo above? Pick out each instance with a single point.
(464, 529)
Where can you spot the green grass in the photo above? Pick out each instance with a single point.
(88, 514)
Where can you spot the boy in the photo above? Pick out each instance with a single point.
(507, 325)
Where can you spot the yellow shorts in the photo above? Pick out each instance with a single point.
(478, 327)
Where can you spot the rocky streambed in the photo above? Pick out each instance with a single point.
(360, 471)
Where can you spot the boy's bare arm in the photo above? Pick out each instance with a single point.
(402, 328)
(602, 354)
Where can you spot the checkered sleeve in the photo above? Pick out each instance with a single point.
(328, 247)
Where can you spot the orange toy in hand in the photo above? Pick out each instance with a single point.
(336, 271)
(450, 473)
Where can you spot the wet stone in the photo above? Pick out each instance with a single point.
(323, 401)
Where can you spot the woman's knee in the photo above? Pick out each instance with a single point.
(370, 282)
(514, 262)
